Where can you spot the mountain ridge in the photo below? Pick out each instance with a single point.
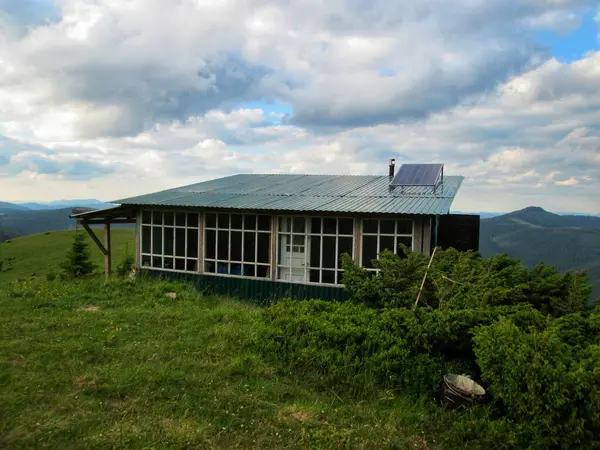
(533, 235)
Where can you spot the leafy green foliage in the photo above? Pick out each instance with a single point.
(526, 334)
(345, 345)
(78, 261)
(547, 386)
(361, 348)
(460, 280)
(126, 264)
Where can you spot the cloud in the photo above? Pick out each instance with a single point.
(18, 157)
(570, 182)
(343, 63)
(105, 99)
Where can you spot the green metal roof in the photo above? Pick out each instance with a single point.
(322, 193)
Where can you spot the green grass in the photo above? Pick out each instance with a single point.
(91, 364)
(39, 254)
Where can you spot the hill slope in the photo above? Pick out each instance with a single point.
(23, 222)
(5, 206)
(39, 254)
(30, 222)
(533, 235)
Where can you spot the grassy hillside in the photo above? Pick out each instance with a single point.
(119, 365)
(42, 253)
(533, 235)
(25, 222)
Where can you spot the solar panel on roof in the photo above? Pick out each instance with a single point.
(418, 175)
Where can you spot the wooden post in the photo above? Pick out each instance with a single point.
(138, 234)
(273, 249)
(107, 256)
(357, 239)
(424, 277)
(427, 235)
(418, 234)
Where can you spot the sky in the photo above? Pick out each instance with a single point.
(108, 99)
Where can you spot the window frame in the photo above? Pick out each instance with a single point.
(396, 235)
(216, 260)
(308, 234)
(174, 227)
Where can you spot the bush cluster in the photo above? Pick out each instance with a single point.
(527, 335)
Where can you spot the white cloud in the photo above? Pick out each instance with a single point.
(570, 182)
(113, 102)
(143, 61)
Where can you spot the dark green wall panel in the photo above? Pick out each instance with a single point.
(259, 290)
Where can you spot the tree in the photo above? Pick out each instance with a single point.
(78, 262)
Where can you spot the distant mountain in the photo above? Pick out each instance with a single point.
(533, 235)
(61, 204)
(5, 206)
(18, 223)
(489, 215)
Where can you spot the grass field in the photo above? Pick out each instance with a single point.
(120, 365)
(39, 254)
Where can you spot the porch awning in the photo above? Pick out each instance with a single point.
(114, 214)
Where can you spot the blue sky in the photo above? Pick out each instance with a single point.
(97, 93)
(574, 45)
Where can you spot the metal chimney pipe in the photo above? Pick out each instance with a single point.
(392, 167)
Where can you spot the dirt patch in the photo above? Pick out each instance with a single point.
(84, 381)
(419, 443)
(295, 414)
(90, 308)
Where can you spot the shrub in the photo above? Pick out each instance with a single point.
(526, 334)
(125, 266)
(549, 390)
(359, 347)
(463, 280)
(345, 345)
(78, 262)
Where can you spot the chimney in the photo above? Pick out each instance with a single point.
(392, 167)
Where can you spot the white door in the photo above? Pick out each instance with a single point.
(293, 257)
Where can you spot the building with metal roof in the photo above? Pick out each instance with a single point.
(285, 232)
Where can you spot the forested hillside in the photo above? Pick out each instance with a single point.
(533, 235)
(5, 206)
(23, 222)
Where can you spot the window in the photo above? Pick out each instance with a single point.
(310, 248)
(170, 240)
(381, 234)
(237, 244)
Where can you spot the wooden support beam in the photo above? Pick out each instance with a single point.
(87, 228)
(357, 239)
(427, 235)
(418, 234)
(273, 247)
(138, 234)
(107, 255)
(201, 216)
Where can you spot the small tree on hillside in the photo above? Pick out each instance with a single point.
(78, 262)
